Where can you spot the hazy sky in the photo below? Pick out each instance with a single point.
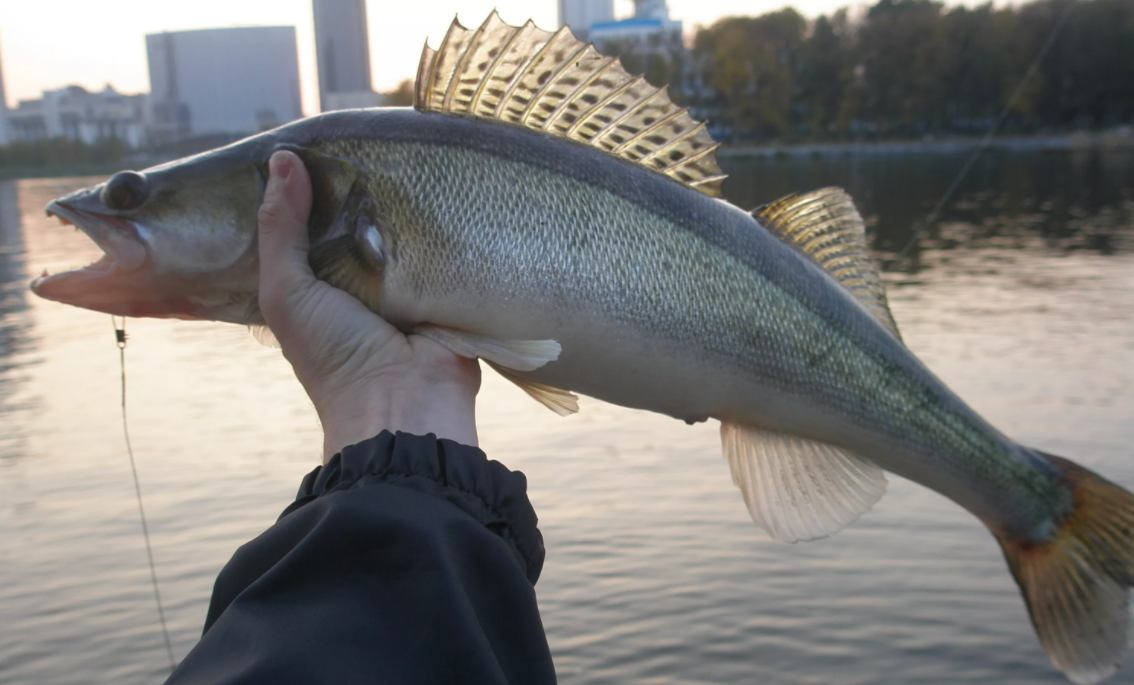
(47, 44)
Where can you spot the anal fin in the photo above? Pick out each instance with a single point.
(519, 355)
(558, 400)
(798, 489)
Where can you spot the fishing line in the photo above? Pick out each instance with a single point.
(987, 140)
(120, 340)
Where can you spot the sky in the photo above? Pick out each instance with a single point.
(47, 44)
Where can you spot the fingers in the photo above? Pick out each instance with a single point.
(284, 271)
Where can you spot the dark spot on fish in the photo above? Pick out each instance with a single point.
(543, 77)
(676, 155)
(589, 99)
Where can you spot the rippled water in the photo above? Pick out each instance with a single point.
(1021, 301)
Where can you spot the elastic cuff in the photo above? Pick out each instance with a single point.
(459, 474)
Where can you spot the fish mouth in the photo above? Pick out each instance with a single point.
(104, 284)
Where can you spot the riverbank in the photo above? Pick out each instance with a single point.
(1118, 139)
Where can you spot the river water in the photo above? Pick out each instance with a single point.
(1020, 299)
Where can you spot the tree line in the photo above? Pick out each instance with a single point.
(904, 69)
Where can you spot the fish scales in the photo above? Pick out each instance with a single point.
(499, 225)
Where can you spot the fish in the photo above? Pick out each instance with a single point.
(543, 210)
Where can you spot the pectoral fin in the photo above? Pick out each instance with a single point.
(264, 335)
(519, 355)
(558, 400)
(799, 489)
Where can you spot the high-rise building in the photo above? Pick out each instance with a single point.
(342, 52)
(222, 82)
(580, 15)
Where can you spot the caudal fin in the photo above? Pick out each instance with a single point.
(1076, 585)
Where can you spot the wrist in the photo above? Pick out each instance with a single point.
(358, 411)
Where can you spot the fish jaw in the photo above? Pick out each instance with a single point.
(122, 281)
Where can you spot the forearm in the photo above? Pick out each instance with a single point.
(404, 560)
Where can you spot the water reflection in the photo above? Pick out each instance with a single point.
(15, 324)
(1066, 201)
(654, 572)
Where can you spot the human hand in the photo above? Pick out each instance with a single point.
(362, 374)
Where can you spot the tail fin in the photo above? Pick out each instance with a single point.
(1076, 585)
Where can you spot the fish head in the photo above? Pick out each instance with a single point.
(179, 239)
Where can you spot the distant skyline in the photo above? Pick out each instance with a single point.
(49, 44)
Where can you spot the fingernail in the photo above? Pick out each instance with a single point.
(279, 167)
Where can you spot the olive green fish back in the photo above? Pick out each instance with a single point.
(555, 83)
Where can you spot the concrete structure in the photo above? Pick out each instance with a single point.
(76, 113)
(580, 15)
(650, 31)
(342, 51)
(222, 82)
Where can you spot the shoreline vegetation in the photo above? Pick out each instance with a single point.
(1120, 140)
(901, 77)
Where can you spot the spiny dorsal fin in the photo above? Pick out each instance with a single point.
(555, 83)
(825, 227)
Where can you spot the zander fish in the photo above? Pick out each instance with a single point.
(545, 211)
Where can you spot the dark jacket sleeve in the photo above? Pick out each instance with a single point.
(405, 559)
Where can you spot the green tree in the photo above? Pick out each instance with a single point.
(751, 64)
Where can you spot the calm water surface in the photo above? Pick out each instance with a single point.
(1021, 300)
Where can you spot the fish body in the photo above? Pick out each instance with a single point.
(495, 240)
(665, 299)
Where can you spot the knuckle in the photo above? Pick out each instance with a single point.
(271, 214)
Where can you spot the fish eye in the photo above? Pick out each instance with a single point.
(125, 190)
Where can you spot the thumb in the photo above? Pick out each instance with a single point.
(283, 242)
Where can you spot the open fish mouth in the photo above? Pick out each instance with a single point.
(101, 284)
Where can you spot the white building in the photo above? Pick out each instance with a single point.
(342, 51)
(76, 113)
(580, 15)
(222, 82)
(649, 31)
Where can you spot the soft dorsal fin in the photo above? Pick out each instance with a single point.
(825, 227)
(555, 83)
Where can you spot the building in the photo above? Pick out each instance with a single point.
(580, 15)
(342, 51)
(222, 83)
(649, 32)
(76, 113)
